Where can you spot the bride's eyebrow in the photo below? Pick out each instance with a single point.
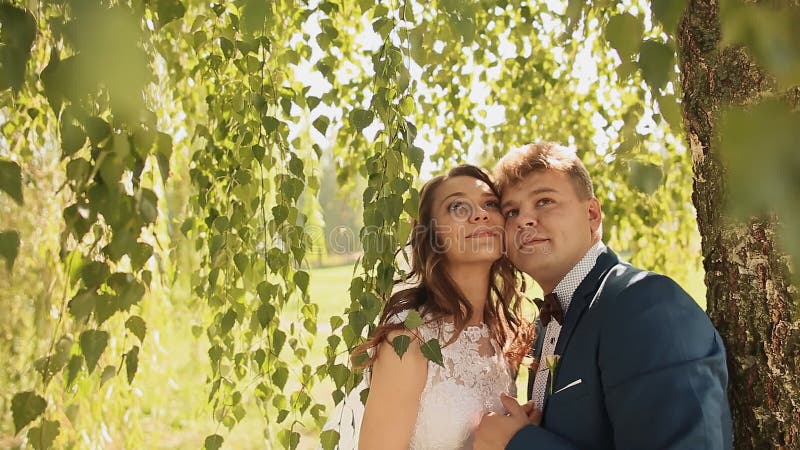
(454, 194)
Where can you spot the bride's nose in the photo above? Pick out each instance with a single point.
(481, 215)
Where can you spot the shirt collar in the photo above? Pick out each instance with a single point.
(569, 284)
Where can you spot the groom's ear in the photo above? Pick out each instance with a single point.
(595, 214)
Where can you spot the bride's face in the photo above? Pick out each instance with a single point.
(467, 220)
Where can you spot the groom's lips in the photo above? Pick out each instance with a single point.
(532, 241)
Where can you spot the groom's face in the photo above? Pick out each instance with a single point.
(549, 227)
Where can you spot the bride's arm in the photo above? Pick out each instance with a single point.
(394, 394)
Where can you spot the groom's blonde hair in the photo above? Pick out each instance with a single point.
(520, 162)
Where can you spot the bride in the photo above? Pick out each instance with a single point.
(466, 295)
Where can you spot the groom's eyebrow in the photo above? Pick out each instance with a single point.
(542, 190)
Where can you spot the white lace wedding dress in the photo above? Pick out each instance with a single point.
(456, 396)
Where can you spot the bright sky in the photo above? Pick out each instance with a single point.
(584, 70)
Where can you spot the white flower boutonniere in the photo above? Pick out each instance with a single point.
(551, 362)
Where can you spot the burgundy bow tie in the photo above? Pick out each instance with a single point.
(549, 308)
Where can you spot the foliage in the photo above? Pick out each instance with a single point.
(183, 145)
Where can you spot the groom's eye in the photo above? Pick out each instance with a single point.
(511, 213)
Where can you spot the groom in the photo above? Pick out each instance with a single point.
(627, 359)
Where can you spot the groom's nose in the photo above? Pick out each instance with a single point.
(527, 222)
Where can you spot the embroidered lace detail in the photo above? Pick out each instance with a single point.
(461, 391)
(456, 395)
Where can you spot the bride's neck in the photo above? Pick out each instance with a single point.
(473, 281)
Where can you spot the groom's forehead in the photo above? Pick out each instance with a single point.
(533, 184)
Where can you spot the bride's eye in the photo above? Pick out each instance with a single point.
(460, 209)
(491, 204)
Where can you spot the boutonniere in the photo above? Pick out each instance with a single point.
(551, 362)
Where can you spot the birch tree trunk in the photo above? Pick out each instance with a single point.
(751, 299)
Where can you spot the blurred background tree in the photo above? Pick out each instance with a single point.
(206, 198)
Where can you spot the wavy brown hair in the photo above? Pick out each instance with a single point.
(435, 293)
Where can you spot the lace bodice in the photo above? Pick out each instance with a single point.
(459, 393)
(456, 395)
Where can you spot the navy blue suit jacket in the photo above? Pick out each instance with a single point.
(650, 363)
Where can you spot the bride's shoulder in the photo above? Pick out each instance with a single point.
(417, 318)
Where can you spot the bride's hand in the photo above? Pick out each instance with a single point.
(534, 415)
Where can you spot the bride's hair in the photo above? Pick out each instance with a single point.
(435, 294)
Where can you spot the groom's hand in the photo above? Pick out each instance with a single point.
(495, 431)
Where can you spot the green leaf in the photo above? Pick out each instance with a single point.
(254, 17)
(241, 261)
(657, 62)
(466, 28)
(111, 169)
(280, 376)
(42, 436)
(94, 273)
(132, 363)
(105, 307)
(140, 255)
(624, 33)
(270, 124)
(78, 170)
(321, 124)
(280, 213)
(433, 351)
(169, 10)
(668, 12)
(278, 339)
(148, 206)
(9, 247)
(93, 344)
(137, 326)
(97, 129)
(312, 102)
(670, 109)
(213, 442)
(301, 278)
(73, 368)
(11, 180)
(340, 373)
(645, 177)
(413, 320)
(108, 373)
(18, 33)
(72, 138)
(361, 118)
(289, 439)
(329, 439)
(82, 305)
(407, 106)
(400, 344)
(227, 322)
(25, 407)
(296, 166)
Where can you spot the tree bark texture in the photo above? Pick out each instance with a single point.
(751, 298)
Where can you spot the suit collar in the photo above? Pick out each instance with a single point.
(581, 298)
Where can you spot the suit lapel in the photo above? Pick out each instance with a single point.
(581, 298)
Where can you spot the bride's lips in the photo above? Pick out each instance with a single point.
(481, 233)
